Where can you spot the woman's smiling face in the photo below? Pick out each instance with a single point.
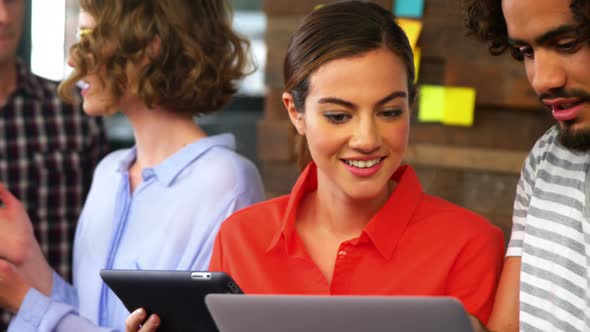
(356, 122)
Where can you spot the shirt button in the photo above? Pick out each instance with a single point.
(342, 253)
(147, 173)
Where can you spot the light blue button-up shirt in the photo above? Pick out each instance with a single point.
(168, 223)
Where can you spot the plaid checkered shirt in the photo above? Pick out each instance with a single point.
(48, 151)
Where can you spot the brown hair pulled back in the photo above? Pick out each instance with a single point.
(336, 31)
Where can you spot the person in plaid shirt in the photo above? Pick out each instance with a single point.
(154, 206)
(48, 148)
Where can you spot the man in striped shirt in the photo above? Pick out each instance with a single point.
(48, 149)
(545, 284)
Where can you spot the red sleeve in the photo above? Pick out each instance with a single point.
(216, 263)
(474, 276)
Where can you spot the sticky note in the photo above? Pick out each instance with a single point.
(417, 54)
(409, 8)
(412, 28)
(431, 105)
(459, 106)
(453, 105)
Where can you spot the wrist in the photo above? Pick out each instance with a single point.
(38, 272)
(476, 324)
(19, 295)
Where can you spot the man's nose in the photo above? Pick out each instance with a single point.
(4, 15)
(548, 72)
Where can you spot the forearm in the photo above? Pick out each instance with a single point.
(62, 291)
(477, 325)
(40, 313)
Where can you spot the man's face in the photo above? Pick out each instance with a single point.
(11, 22)
(557, 62)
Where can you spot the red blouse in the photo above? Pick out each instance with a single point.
(416, 244)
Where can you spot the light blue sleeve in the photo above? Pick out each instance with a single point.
(62, 291)
(249, 190)
(40, 313)
(226, 209)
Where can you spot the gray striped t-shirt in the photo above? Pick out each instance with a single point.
(551, 233)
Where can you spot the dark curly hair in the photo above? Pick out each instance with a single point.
(337, 31)
(485, 21)
(200, 57)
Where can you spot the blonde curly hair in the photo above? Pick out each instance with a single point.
(197, 65)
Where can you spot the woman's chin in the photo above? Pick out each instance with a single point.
(98, 110)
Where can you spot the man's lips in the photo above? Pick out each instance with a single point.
(6, 34)
(565, 109)
(4, 39)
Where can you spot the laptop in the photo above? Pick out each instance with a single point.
(301, 313)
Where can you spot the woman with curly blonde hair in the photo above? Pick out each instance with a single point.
(159, 204)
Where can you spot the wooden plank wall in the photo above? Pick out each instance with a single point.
(476, 167)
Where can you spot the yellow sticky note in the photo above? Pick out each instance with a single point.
(459, 106)
(431, 105)
(417, 54)
(412, 28)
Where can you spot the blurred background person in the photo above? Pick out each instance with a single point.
(48, 148)
(159, 204)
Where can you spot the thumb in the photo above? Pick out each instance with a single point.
(6, 197)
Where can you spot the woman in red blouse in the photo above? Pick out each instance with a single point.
(357, 221)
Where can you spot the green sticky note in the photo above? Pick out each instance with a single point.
(409, 8)
(431, 105)
(412, 28)
(459, 106)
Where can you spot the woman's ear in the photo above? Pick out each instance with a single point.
(295, 116)
(151, 52)
(135, 67)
